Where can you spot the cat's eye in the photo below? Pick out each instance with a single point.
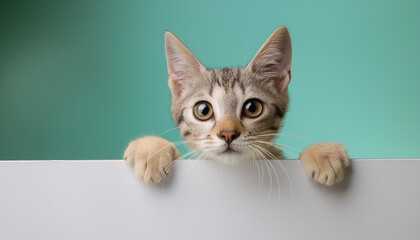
(252, 108)
(203, 111)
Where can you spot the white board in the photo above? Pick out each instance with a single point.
(102, 199)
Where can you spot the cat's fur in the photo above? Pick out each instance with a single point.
(266, 78)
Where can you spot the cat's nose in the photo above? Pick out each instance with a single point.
(229, 135)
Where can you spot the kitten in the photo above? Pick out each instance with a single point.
(231, 114)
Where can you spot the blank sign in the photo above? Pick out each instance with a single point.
(101, 199)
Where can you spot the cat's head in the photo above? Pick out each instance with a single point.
(233, 113)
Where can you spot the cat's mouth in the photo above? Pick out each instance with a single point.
(229, 150)
(229, 154)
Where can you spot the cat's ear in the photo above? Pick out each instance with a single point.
(183, 67)
(273, 60)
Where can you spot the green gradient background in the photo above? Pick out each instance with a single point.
(80, 79)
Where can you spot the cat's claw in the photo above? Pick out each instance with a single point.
(151, 158)
(325, 162)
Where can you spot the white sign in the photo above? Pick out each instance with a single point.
(101, 199)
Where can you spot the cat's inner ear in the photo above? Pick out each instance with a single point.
(183, 67)
(273, 59)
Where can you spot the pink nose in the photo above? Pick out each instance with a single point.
(228, 135)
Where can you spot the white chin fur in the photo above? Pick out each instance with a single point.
(229, 158)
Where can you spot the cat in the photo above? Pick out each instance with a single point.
(231, 114)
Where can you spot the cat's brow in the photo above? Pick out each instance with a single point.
(199, 95)
(226, 78)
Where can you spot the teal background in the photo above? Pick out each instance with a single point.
(80, 79)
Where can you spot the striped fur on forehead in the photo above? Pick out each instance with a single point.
(227, 78)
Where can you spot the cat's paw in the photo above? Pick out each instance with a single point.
(151, 157)
(325, 162)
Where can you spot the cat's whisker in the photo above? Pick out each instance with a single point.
(195, 151)
(258, 174)
(281, 134)
(288, 179)
(274, 170)
(295, 136)
(165, 132)
(260, 169)
(287, 175)
(169, 168)
(191, 152)
(183, 177)
(278, 182)
(282, 145)
(277, 146)
(256, 167)
(187, 154)
(285, 171)
(190, 170)
(258, 158)
(264, 158)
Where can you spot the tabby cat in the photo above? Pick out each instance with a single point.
(231, 114)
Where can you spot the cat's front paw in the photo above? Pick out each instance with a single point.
(151, 157)
(325, 162)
